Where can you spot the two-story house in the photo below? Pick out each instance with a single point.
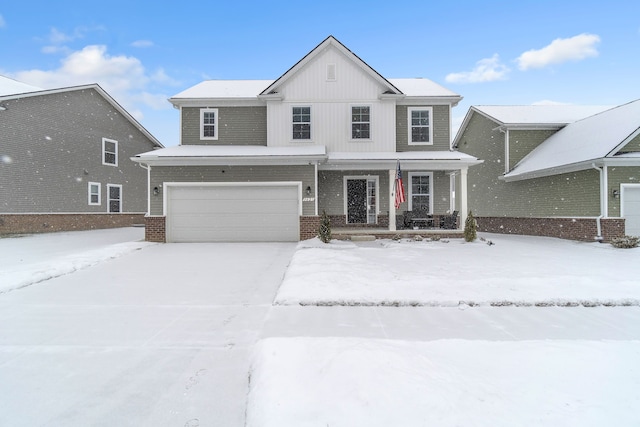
(566, 171)
(64, 160)
(259, 160)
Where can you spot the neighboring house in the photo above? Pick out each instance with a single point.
(555, 170)
(65, 160)
(259, 160)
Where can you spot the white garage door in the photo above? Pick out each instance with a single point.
(631, 209)
(233, 213)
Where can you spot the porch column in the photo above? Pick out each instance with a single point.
(464, 210)
(392, 198)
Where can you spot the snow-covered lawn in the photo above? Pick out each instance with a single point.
(512, 270)
(338, 382)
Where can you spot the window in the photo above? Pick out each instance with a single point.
(420, 190)
(360, 122)
(109, 152)
(209, 123)
(301, 122)
(420, 129)
(94, 193)
(114, 199)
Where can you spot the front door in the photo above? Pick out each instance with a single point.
(361, 200)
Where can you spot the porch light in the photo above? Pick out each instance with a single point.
(156, 191)
(308, 190)
(615, 193)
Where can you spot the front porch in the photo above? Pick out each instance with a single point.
(360, 233)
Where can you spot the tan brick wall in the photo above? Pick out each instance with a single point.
(48, 223)
(584, 229)
(155, 229)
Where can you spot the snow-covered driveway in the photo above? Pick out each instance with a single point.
(159, 336)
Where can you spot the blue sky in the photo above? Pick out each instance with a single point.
(490, 52)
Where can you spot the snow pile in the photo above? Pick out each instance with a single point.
(513, 270)
(361, 382)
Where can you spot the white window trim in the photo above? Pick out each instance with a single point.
(113, 141)
(310, 124)
(216, 124)
(409, 127)
(345, 196)
(351, 139)
(410, 185)
(109, 197)
(99, 193)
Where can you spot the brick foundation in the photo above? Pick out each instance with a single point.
(49, 223)
(155, 229)
(309, 226)
(584, 229)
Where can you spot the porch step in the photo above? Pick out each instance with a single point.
(362, 238)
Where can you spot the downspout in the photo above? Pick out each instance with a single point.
(603, 194)
(148, 169)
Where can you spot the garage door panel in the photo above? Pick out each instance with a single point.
(233, 213)
(631, 210)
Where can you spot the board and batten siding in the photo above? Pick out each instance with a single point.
(331, 102)
(441, 129)
(52, 149)
(236, 126)
(573, 194)
(295, 173)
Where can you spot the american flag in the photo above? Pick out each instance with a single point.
(399, 188)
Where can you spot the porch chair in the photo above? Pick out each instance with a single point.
(449, 222)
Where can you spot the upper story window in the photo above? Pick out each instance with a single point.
(109, 152)
(420, 126)
(209, 123)
(360, 122)
(301, 117)
(94, 193)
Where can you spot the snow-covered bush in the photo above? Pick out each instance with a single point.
(324, 232)
(625, 242)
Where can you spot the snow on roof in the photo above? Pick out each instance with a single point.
(235, 89)
(224, 89)
(539, 114)
(421, 87)
(406, 155)
(592, 138)
(12, 87)
(234, 151)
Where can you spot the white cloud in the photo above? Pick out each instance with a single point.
(123, 77)
(574, 48)
(486, 70)
(550, 102)
(142, 43)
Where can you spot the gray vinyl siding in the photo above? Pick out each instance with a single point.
(574, 194)
(52, 148)
(331, 190)
(616, 176)
(441, 129)
(632, 147)
(303, 173)
(236, 126)
(522, 142)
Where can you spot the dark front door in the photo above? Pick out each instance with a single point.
(357, 201)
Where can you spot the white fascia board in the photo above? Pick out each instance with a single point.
(217, 102)
(406, 165)
(558, 170)
(430, 100)
(229, 160)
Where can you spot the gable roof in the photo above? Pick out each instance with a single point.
(583, 144)
(10, 86)
(98, 89)
(330, 41)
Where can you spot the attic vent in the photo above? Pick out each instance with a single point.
(331, 72)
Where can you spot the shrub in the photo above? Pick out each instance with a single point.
(470, 228)
(324, 232)
(626, 242)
